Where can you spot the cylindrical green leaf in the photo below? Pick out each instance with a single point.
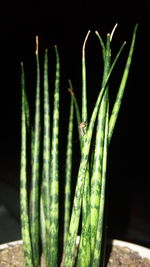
(34, 195)
(68, 173)
(120, 93)
(45, 187)
(84, 89)
(98, 156)
(54, 184)
(84, 247)
(98, 243)
(24, 213)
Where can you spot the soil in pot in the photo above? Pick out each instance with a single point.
(12, 255)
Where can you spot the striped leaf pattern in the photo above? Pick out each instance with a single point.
(40, 206)
(98, 244)
(25, 226)
(68, 173)
(54, 184)
(96, 179)
(34, 195)
(75, 216)
(45, 187)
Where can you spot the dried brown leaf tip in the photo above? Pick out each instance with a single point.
(70, 91)
(82, 127)
(37, 45)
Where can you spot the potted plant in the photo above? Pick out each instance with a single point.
(79, 242)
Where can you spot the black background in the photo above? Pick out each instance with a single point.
(66, 25)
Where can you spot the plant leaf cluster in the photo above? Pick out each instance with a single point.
(40, 205)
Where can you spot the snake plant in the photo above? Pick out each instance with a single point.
(40, 172)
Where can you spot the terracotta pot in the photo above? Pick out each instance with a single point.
(11, 254)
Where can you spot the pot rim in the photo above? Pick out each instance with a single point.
(143, 251)
(10, 244)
